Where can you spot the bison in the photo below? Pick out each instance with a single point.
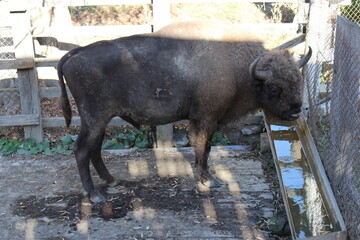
(208, 73)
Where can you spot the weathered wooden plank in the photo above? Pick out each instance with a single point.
(2, 90)
(124, 30)
(111, 31)
(52, 92)
(162, 17)
(75, 121)
(223, 1)
(16, 64)
(24, 4)
(165, 135)
(59, 121)
(46, 62)
(293, 42)
(27, 79)
(19, 120)
(319, 173)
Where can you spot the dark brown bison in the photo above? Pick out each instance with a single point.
(207, 73)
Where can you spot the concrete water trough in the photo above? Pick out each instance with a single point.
(310, 204)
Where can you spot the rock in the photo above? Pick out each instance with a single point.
(264, 143)
(279, 226)
(181, 138)
(252, 129)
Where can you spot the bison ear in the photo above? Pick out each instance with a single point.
(305, 59)
(255, 73)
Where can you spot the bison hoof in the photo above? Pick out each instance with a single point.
(97, 197)
(114, 183)
(211, 183)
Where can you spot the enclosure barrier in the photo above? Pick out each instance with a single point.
(30, 93)
(333, 112)
(332, 81)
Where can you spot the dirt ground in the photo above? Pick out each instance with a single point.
(159, 198)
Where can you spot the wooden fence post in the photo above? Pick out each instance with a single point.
(161, 13)
(165, 134)
(162, 17)
(27, 79)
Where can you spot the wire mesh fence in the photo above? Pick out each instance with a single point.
(351, 12)
(343, 160)
(9, 94)
(332, 96)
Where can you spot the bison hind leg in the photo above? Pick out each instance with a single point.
(88, 147)
(99, 165)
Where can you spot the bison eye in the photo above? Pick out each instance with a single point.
(274, 90)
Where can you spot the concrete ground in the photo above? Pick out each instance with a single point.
(159, 198)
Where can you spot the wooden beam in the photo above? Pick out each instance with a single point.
(75, 121)
(2, 90)
(51, 92)
(318, 171)
(222, 1)
(117, 121)
(19, 120)
(293, 42)
(46, 62)
(16, 64)
(111, 31)
(25, 4)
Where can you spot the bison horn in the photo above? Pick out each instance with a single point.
(257, 74)
(305, 59)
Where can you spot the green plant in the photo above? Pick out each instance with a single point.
(327, 73)
(219, 140)
(128, 138)
(8, 147)
(29, 146)
(323, 139)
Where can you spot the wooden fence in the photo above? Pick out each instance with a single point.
(25, 62)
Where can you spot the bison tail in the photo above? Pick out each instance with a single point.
(64, 99)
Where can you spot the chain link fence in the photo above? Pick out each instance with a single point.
(351, 12)
(333, 101)
(9, 94)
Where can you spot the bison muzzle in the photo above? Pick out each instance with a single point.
(208, 73)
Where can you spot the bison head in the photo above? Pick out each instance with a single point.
(279, 83)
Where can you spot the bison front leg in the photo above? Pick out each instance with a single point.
(200, 138)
